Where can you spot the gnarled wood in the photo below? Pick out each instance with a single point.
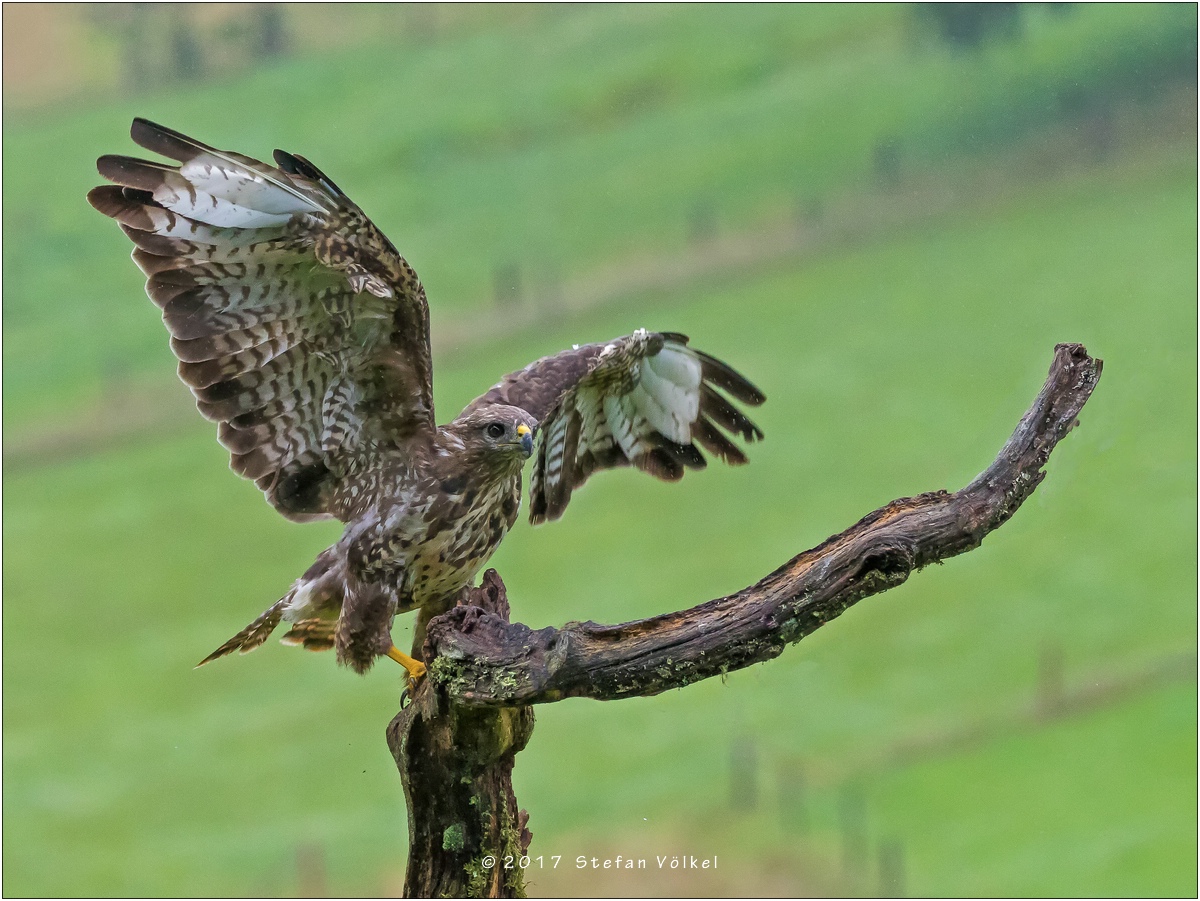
(484, 661)
(458, 740)
(456, 765)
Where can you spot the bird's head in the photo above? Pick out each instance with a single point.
(497, 432)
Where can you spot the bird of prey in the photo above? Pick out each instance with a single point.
(304, 335)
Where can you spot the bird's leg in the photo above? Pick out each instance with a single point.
(420, 627)
(415, 668)
(414, 664)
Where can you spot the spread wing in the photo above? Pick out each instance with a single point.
(299, 328)
(646, 399)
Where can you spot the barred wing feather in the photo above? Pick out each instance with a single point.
(299, 328)
(647, 400)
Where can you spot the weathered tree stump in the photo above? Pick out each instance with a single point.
(456, 765)
(456, 743)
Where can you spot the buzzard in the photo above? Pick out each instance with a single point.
(304, 335)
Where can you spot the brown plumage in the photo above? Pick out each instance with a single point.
(304, 335)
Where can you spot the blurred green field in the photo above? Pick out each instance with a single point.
(893, 365)
(563, 141)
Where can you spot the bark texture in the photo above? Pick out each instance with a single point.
(483, 660)
(456, 743)
(456, 766)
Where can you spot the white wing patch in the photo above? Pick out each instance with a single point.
(185, 199)
(628, 409)
(244, 186)
(664, 398)
(223, 193)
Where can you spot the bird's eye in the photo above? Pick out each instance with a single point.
(495, 430)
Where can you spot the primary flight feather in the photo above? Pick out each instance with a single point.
(304, 335)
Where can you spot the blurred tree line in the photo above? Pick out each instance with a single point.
(165, 43)
(181, 42)
(968, 25)
(1157, 53)
(1080, 82)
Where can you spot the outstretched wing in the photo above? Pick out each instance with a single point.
(299, 328)
(646, 399)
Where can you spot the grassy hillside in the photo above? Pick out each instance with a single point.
(893, 365)
(871, 358)
(555, 143)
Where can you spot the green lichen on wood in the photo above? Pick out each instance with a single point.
(460, 678)
(507, 857)
(506, 683)
(477, 878)
(448, 672)
(510, 839)
(454, 837)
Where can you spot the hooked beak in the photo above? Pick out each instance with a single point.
(526, 435)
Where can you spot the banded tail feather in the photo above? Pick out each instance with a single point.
(253, 636)
(311, 606)
(311, 634)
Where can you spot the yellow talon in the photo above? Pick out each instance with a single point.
(415, 668)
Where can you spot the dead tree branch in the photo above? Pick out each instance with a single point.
(484, 661)
(456, 744)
